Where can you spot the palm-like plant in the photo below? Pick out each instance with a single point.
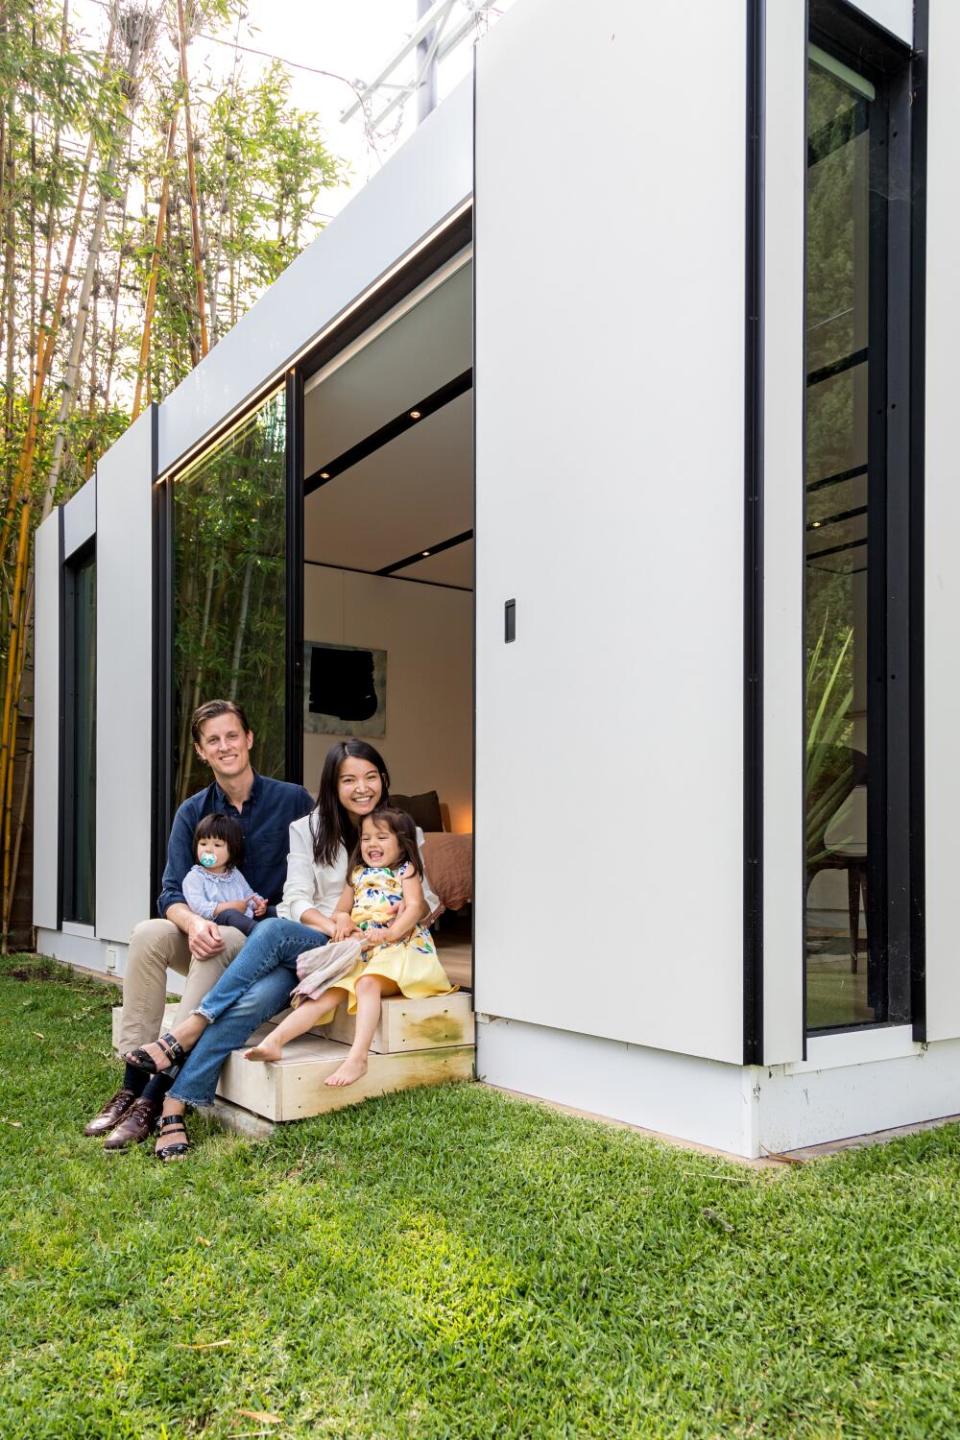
(828, 774)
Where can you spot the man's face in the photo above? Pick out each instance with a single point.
(225, 746)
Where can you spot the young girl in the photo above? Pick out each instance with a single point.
(382, 906)
(215, 887)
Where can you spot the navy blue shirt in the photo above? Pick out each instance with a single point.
(265, 820)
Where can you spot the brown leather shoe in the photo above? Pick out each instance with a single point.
(111, 1114)
(135, 1126)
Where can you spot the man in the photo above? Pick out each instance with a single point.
(182, 941)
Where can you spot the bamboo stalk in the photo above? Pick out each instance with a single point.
(10, 896)
(47, 334)
(112, 350)
(241, 630)
(192, 178)
(143, 363)
(137, 43)
(14, 632)
(21, 605)
(7, 905)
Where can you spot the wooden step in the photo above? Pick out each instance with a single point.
(431, 1040)
(405, 1025)
(293, 1088)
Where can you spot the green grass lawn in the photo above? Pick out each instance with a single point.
(450, 1263)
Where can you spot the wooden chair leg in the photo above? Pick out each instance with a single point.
(853, 903)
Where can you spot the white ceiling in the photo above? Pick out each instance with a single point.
(408, 495)
(416, 491)
(450, 567)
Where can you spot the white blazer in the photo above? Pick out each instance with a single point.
(309, 886)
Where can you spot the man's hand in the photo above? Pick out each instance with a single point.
(203, 938)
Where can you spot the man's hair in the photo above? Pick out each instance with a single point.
(209, 711)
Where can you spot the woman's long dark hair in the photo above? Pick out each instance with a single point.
(330, 825)
(406, 835)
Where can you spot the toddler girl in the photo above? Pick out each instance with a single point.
(215, 887)
(382, 907)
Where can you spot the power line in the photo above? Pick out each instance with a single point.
(268, 55)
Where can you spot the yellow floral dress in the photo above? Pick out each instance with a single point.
(412, 964)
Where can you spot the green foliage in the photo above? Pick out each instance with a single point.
(229, 515)
(451, 1264)
(83, 161)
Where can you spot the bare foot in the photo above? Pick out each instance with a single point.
(348, 1072)
(266, 1050)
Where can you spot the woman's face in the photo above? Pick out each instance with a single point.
(359, 787)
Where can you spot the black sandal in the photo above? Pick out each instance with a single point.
(170, 1046)
(180, 1147)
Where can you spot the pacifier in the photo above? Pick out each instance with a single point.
(207, 860)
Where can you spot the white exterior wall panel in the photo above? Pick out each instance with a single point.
(46, 725)
(610, 485)
(785, 167)
(428, 179)
(124, 681)
(80, 518)
(942, 526)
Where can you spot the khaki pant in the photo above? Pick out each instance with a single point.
(157, 946)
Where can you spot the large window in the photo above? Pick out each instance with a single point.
(80, 737)
(228, 515)
(857, 545)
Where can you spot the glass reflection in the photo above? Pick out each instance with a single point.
(229, 588)
(79, 899)
(837, 551)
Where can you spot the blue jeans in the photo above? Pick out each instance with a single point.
(255, 986)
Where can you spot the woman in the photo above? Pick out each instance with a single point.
(354, 781)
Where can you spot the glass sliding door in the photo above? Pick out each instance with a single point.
(228, 516)
(80, 737)
(855, 963)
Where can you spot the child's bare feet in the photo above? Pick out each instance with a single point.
(351, 1069)
(267, 1050)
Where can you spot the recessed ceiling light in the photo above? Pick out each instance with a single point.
(324, 474)
(415, 414)
(424, 553)
(815, 525)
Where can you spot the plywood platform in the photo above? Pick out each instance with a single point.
(293, 1088)
(418, 1042)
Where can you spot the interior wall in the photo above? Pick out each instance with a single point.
(426, 631)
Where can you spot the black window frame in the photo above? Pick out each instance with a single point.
(895, 849)
(452, 237)
(70, 568)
